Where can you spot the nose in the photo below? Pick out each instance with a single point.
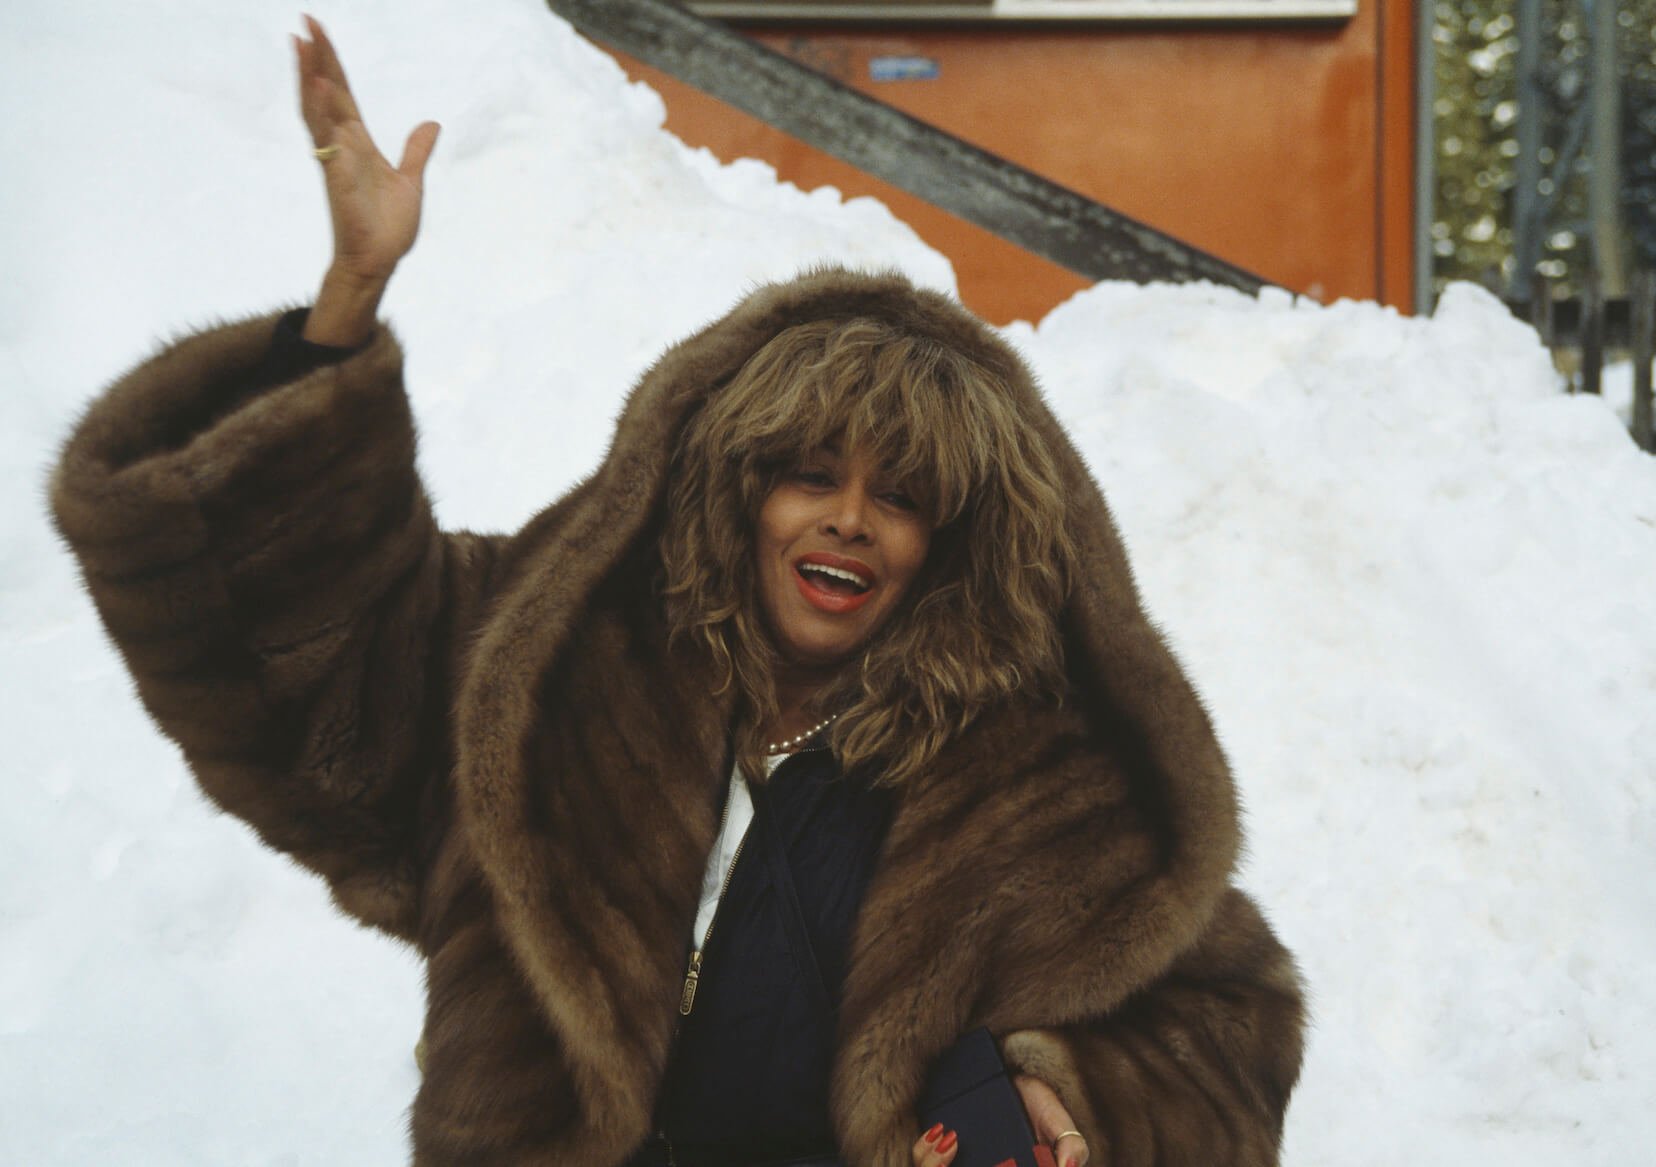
(846, 516)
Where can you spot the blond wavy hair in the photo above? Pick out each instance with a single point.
(980, 621)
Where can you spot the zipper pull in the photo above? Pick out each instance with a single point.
(687, 999)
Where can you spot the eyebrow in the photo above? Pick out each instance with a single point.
(832, 447)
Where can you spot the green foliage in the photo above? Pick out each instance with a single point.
(1474, 109)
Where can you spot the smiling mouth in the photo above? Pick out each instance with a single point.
(834, 579)
(832, 589)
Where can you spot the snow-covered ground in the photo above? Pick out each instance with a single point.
(1617, 386)
(1413, 580)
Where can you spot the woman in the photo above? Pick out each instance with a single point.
(841, 563)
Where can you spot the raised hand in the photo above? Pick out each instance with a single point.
(374, 206)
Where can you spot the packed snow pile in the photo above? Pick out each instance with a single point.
(1411, 577)
(1414, 582)
(1617, 387)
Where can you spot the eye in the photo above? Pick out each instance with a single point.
(814, 476)
(902, 500)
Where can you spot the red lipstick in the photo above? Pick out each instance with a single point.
(821, 595)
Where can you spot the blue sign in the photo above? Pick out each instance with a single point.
(903, 69)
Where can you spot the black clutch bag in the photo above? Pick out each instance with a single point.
(970, 1093)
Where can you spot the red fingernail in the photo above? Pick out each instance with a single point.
(946, 1143)
(931, 1135)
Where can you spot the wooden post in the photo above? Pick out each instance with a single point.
(1592, 331)
(1643, 328)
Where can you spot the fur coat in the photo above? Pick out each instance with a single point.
(487, 747)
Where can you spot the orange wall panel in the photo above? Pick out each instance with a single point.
(1285, 150)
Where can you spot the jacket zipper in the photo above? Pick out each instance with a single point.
(692, 975)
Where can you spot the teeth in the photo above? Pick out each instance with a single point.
(836, 572)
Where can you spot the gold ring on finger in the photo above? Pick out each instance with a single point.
(326, 153)
(1067, 1134)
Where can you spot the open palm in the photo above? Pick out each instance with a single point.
(374, 206)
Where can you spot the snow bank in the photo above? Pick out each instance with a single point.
(1413, 581)
(1410, 576)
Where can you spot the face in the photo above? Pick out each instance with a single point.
(839, 543)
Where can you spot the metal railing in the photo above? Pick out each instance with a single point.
(1583, 329)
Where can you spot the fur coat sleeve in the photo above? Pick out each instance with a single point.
(265, 559)
(1196, 1068)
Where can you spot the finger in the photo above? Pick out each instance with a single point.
(1046, 1113)
(936, 1148)
(1051, 1121)
(327, 62)
(1071, 1151)
(327, 57)
(335, 103)
(302, 69)
(418, 150)
(312, 99)
(319, 111)
(337, 123)
(319, 98)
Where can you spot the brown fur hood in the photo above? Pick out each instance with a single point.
(487, 746)
(1048, 866)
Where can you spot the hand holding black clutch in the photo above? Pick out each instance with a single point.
(970, 1093)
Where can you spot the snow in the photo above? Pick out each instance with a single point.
(1409, 574)
(1617, 386)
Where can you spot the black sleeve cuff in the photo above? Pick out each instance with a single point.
(287, 358)
(291, 355)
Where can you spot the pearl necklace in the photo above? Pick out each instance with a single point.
(789, 745)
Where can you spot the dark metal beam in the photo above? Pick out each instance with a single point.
(1016, 204)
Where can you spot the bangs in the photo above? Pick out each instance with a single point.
(907, 401)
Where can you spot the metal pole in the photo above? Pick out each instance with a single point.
(1425, 257)
(1526, 181)
(1541, 307)
(1644, 351)
(1592, 331)
(1604, 150)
